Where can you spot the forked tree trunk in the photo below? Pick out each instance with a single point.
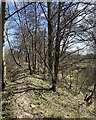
(3, 13)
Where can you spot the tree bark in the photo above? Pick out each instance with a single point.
(3, 13)
(26, 58)
(95, 70)
(35, 59)
(29, 65)
(32, 53)
(94, 38)
(44, 53)
(0, 51)
(50, 41)
(57, 51)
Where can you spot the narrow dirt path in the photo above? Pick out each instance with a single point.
(21, 100)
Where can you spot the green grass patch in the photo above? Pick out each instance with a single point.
(9, 87)
(7, 114)
(13, 75)
(44, 97)
(48, 103)
(62, 104)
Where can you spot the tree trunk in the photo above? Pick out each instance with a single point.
(29, 65)
(0, 53)
(95, 89)
(26, 59)
(57, 50)
(35, 39)
(32, 54)
(94, 38)
(44, 53)
(95, 72)
(50, 41)
(12, 52)
(28, 56)
(3, 13)
(23, 35)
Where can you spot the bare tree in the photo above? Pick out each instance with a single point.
(0, 49)
(50, 40)
(57, 51)
(3, 13)
(24, 40)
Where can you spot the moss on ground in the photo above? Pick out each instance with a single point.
(7, 96)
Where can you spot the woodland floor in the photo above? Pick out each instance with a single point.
(26, 97)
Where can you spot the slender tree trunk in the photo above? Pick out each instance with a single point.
(29, 65)
(19, 56)
(94, 38)
(29, 60)
(3, 10)
(27, 53)
(0, 52)
(57, 50)
(95, 71)
(38, 65)
(0, 59)
(12, 52)
(26, 58)
(95, 83)
(50, 41)
(35, 59)
(44, 54)
(32, 54)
